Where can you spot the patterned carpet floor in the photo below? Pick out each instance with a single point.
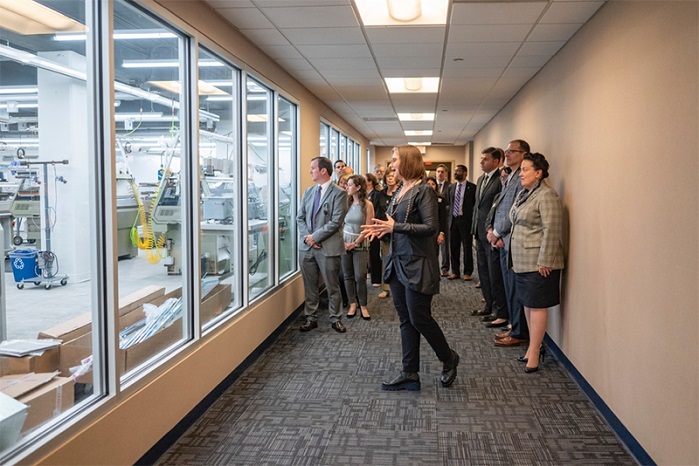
(315, 399)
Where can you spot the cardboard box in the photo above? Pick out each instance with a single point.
(215, 302)
(74, 351)
(48, 401)
(12, 418)
(47, 362)
(19, 384)
(78, 326)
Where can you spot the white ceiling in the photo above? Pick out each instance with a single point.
(484, 55)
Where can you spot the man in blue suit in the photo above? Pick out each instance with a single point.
(319, 219)
(462, 198)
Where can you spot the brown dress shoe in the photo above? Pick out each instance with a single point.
(468, 278)
(509, 341)
(452, 276)
(338, 327)
(501, 335)
(310, 324)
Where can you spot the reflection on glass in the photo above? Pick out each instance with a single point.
(148, 183)
(219, 155)
(46, 207)
(334, 145)
(324, 130)
(259, 106)
(286, 141)
(343, 150)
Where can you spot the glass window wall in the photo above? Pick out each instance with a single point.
(286, 174)
(324, 139)
(259, 145)
(219, 174)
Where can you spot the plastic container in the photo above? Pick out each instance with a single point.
(23, 264)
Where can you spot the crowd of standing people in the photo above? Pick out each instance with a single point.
(407, 230)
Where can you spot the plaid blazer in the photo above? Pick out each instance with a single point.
(537, 226)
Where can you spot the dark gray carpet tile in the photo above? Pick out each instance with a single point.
(379, 447)
(315, 399)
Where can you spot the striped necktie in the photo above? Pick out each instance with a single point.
(457, 200)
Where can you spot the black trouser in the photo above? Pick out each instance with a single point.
(490, 275)
(375, 265)
(415, 314)
(461, 238)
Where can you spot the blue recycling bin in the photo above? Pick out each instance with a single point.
(23, 264)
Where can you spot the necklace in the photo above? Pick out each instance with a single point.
(398, 197)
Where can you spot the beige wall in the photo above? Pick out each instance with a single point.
(434, 154)
(616, 113)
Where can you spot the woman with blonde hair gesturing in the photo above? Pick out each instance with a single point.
(412, 269)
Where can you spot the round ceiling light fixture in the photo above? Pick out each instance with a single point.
(404, 10)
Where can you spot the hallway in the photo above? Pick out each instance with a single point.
(315, 399)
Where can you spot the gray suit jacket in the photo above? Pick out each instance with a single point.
(499, 215)
(328, 221)
(536, 231)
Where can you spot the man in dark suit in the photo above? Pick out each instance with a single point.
(319, 219)
(443, 190)
(488, 258)
(462, 197)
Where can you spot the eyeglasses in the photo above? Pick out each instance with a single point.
(509, 151)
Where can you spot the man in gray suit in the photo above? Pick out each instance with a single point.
(499, 229)
(319, 219)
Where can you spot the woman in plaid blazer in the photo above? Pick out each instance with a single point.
(536, 251)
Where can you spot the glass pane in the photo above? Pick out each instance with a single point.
(324, 129)
(287, 139)
(334, 142)
(219, 156)
(148, 71)
(259, 105)
(46, 211)
(343, 150)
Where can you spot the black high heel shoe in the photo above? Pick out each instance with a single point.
(542, 355)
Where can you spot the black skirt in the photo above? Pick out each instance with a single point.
(535, 291)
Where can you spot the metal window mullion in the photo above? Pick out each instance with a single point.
(245, 252)
(274, 173)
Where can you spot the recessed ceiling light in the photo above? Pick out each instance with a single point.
(416, 116)
(412, 85)
(420, 143)
(422, 132)
(402, 12)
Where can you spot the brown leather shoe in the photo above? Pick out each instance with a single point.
(452, 276)
(310, 324)
(501, 335)
(468, 278)
(338, 327)
(509, 341)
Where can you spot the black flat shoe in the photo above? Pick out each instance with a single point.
(449, 370)
(403, 381)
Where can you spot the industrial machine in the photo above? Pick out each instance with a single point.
(26, 208)
(127, 216)
(217, 224)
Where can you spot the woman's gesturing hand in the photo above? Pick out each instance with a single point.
(379, 227)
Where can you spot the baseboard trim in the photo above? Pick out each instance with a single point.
(169, 439)
(626, 438)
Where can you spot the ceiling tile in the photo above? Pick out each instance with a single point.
(481, 33)
(496, 13)
(405, 62)
(530, 60)
(339, 63)
(553, 32)
(570, 12)
(481, 49)
(417, 51)
(540, 48)
(334, 51)
(246, 18)
(323, 35)
(356, 92)
(283, 3)
(411, 35)
(230, 3)
(465, 71)
(263, 37)
(410, 72)
(294, 64)
(312, 17)
(282, 51)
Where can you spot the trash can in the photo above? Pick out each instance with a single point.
(23, 264)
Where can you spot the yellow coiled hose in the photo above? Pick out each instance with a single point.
(147, 243)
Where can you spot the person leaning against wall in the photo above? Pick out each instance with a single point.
(535, 250)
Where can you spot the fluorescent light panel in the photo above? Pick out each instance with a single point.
(412, 85)
(422, 132)
(119, 35)
(174, 63)
(29, 17)
(175, 87)
(416, 116)
(19, 90)
(417, 144)
(376, 12)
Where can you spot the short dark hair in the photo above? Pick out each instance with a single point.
(372, 178)
(339, 160)
(524, 145)
(432, 179)
(324, 162)
(494, 152)
(463, 167)
(539, 162)
(446, 169)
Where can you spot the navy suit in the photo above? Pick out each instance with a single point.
(460, 228)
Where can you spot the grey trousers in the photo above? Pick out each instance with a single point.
(354, 266)
(314, 264)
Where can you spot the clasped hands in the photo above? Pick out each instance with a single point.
(308, 239)
(379, 227)
(495, 241)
